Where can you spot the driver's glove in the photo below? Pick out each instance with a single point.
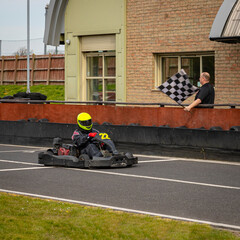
(92, 134)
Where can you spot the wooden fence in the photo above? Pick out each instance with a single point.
(44, 69)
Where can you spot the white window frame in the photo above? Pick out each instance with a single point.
(158, 63)
(103, 77)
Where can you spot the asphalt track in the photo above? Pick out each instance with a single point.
(183, 189)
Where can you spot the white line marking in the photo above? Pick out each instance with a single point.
(221, 225)
(153, 161)
(156, 178)
(210, 161)
(24, 151)
(11, 145)
(21, 169)
(188, 159)
(152, 156)
(120, 174)
(17, 162)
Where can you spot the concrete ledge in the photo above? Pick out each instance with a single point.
(178, 142)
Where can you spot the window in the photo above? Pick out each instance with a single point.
(193, 64)
(101, 76)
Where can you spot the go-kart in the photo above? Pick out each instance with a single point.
(69, 155)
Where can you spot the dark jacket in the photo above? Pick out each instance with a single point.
(81, 139)
(206, 94)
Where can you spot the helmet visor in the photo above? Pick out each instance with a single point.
(85, 123)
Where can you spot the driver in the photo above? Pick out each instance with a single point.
(84, 134)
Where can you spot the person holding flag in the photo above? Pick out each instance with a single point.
(205, 95)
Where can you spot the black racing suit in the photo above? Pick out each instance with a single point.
(86, 144)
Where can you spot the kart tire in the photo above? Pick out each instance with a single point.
(50, 152)
(128, 155)
(36, 96)
(20, 95)
(84, 157)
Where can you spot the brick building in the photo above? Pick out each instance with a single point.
(166, 29)
(149, 40)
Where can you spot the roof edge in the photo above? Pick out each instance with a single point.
(221, 19)
(54, 21)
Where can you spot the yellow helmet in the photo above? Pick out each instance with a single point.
(84, 121)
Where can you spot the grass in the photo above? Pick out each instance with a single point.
(53, 92)
(28, 218)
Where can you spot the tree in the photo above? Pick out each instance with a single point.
(22, 51)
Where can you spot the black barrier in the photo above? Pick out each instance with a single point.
(166, 141)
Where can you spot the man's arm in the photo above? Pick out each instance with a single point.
(192, 105)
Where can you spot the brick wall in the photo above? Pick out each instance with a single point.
(227, 67)
(170, 26)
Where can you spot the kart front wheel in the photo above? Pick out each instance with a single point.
(84, 157)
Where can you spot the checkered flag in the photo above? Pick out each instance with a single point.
(178, 87)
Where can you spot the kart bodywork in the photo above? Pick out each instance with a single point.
(68, 155)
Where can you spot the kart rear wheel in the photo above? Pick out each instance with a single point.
(50, 152)
(129, 155)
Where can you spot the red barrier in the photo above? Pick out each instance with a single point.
(119, 115)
